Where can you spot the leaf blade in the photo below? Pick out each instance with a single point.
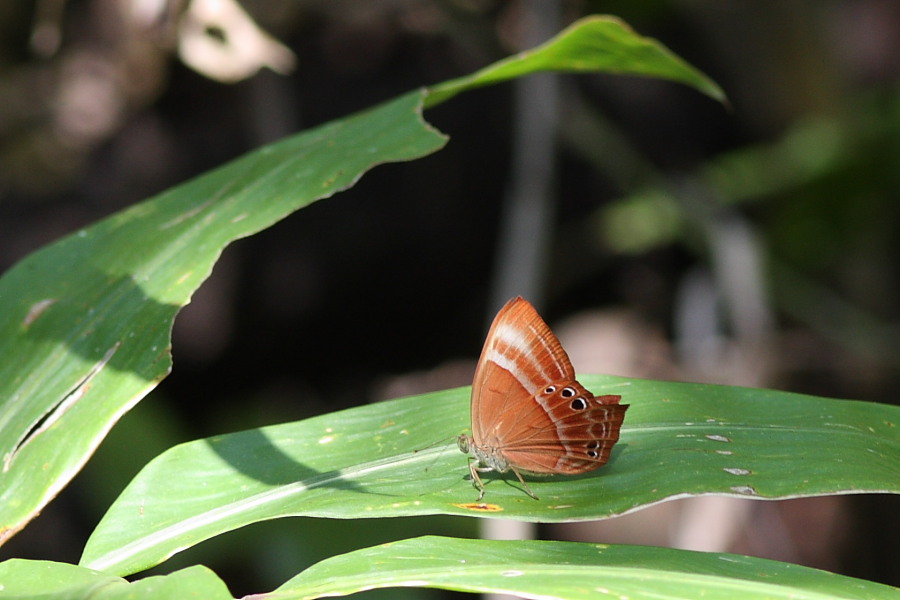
(85, 323)
(381, 460)
(592, 44)
(570, 570)
(49, 580)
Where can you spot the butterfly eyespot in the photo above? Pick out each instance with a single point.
(568, 392)
(578, 403)
(593, 445)
(550, 389)
(593, 453)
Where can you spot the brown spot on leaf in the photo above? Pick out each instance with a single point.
(481, 506)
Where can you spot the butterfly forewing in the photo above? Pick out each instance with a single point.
(520, 345)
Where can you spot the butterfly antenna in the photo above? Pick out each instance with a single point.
(443, 443)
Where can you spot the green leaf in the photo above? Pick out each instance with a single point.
(593, 44)
(45, 580)
(85, 323)
(571, 571)
(399, 458)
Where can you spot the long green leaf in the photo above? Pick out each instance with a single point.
(398, 458)
(45, 580)
(571, 571)
(85, 323)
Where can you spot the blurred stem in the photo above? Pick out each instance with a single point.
(527, 216)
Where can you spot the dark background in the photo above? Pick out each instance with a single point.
(755, 244)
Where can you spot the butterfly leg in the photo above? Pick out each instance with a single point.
(476, 480)
(522, 481)
(474, 469)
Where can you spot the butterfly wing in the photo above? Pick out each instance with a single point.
(527, 406)
(575, 435)
(520, 357)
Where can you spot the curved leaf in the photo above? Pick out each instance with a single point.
(570, 571)
(593, 44)
(388, 459)
(85, 324)
(46, 580)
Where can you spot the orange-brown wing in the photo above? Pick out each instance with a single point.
(521, 357)
(574, 433)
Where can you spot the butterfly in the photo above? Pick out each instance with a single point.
(529, 414)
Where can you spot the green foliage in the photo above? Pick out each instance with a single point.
(542, 569)
(34, 579)
(85, 328)
(685, 438)
(86, 322)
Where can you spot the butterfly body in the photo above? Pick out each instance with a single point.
(529, 414)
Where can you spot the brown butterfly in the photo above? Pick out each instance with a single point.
(529, 415)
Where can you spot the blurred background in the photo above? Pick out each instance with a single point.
(661, 234)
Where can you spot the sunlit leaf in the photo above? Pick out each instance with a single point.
(46, 580)
(571, 571)
(85, 323)
(399, 458)
(593, 44)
